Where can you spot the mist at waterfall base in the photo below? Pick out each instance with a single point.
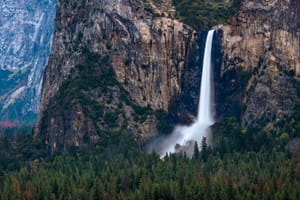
(183, 138)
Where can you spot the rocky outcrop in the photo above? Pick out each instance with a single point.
(113, 64)
(261, 61)
(26, 28)
(117, 66)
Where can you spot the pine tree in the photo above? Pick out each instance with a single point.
(204, 149)
(196, 154)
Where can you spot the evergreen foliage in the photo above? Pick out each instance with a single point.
(117, 169)
(204, 14)
(196, 154)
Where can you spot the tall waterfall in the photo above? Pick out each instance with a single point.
(205, 110)
(183, 137)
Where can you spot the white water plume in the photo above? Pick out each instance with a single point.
(184, 136)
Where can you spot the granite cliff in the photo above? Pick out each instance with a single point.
(120, 66)
(26, 29)
(115, 66)
(260, 70)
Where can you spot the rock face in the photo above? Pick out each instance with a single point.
(26, 29)
(114, 63)
(261, 61)
(118, 65)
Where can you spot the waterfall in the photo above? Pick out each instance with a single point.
(205, 110)
(183, 137)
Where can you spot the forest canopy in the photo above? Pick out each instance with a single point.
(203, 14)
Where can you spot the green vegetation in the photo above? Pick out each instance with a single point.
(204, 14)
(244, 77)
(92, 86)
(164, 122)
(111, 118)
(242, 165)
(121, 171)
